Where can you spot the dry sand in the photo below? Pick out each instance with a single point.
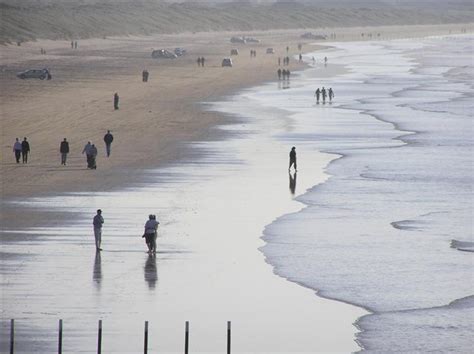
(154, 118)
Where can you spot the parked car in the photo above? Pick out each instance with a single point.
(163, 53)
(237, 40)
(270, 51)
(309, 35)
(234, 52)
(227, 62)
(179, 51)
(35, 74)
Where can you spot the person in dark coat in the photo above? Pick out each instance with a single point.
(108, 138)
(116, 101)
(64, 150)
(317, 93)
(324, 94)
(330, 94)
(279, 74)
(93, 157)
(292, 158)
(25, 150)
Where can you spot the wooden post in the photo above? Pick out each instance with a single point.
(186, 338)
(12, 336)
(99, 338)
(228, 336)
(145, 344)
(60, 337)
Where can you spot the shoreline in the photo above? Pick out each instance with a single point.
(45, 152)
(119, 187)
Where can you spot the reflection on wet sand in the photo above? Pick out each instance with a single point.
(151, 272)
(292, 178)
(283, 84)
(97, 273)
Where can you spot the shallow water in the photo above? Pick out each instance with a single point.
(378, 233)
(212, 208)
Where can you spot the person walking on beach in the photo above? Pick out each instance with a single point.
(97, 222)
(17, 150)
(72, 45)
(323, 94)
(145, 75)
(325, 61)
(292, 158)
(108, 138)
(330, 94)
(199, 61)
(279, 74)
(25, 150)
(150, 235)
(93, 153)
(116, 101)
(288, 73)
(317, 93)
(301, 57)
(64, 150)
(75, 45)
(87, 151)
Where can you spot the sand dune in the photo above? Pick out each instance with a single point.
(28, 20)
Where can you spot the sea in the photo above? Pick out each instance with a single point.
(391, 229)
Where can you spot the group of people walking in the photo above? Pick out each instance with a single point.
(283, 74)
(323, 93)
(91, 150)
(21, 150)
(150, 233)
(253, 53)
(91, 154)
(201, 61)
(286, 61)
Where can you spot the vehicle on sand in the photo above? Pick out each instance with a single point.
(163, 54)
(34, 74)
(309, 35)
(227, 62)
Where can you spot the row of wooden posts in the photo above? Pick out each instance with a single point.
(99, 337)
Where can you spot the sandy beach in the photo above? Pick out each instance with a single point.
(159, 163)
(154, 117)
